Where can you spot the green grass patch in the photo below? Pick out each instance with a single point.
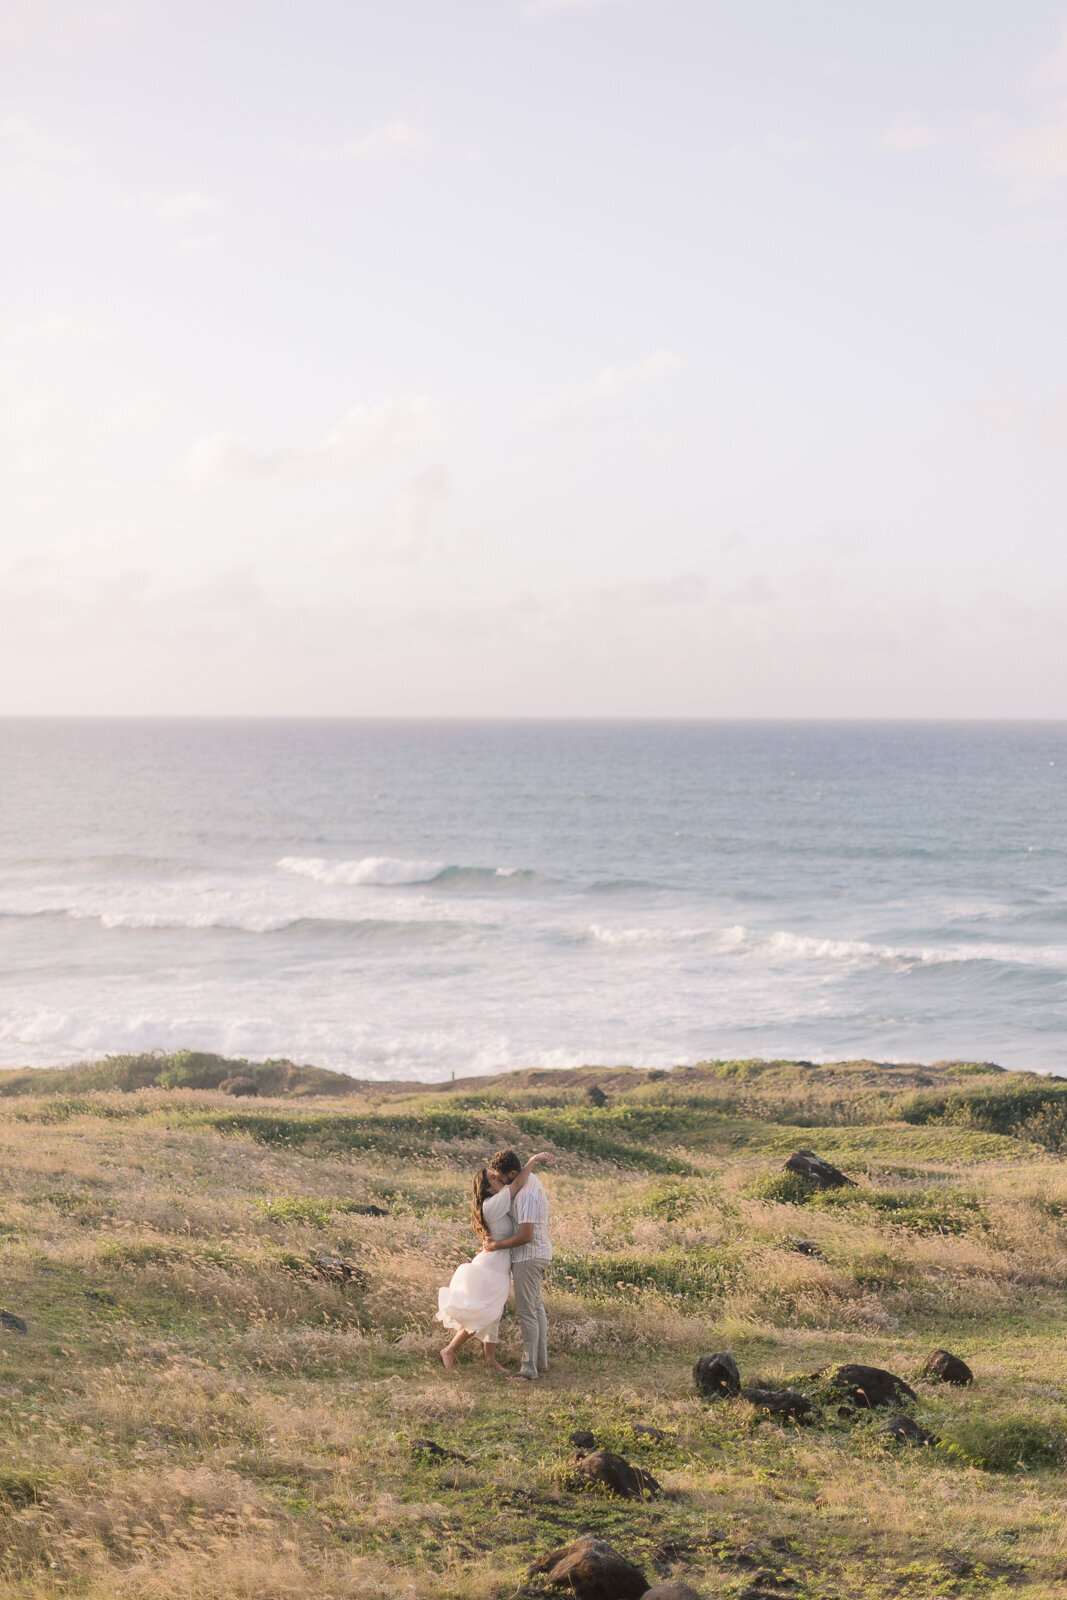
(1018, 1443)
(693, 1276)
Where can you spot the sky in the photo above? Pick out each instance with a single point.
(621, 358)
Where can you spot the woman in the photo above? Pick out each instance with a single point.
(474, 1300)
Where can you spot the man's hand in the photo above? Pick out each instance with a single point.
(543, 1155)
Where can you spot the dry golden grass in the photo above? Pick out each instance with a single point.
(193, 1413)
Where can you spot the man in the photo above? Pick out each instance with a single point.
(531, 1251)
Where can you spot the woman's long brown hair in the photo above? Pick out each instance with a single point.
(481, 1192)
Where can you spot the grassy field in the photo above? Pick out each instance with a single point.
(195, 1410)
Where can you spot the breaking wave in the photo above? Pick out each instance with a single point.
(391, 871)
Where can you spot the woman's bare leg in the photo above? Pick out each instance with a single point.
(448, 1354)
(491, 1362)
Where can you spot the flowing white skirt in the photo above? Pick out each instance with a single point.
(477, 1295)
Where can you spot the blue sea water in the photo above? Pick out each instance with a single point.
(409, 900)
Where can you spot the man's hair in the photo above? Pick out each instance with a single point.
(506, 1162)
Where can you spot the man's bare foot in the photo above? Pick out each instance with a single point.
(448, 1358)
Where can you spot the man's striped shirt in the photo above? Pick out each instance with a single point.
(531, 1205)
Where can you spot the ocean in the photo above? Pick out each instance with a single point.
(413, 900)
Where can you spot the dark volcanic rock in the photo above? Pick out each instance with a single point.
(642, 1431)
(239, 1086)
(582, 1439)
(618, 1476)
(592, 1570)
(369, 1211)
(779, 1402)
(905, 1431)
(806, 1247)
(595, 1095)
(427, 1447)
(941, 1366)
(868, 1387)
(814, 1170)
(717, 1377)
(12, 1323)
(332, 1269)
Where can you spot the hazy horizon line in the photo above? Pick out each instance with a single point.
(415, 718)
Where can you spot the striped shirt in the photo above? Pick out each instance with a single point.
(531, 1205)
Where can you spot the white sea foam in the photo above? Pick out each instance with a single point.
(369, 870)
(636, 938)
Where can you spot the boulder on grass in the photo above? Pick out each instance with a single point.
(869, 1387)
(618, 1476)
(819, 1173)
(12, 1323)
(941, 1366)
(239, 1085)
(904, 1431)
(595, 1095)
(592, 1570)
(717, 1377)
(779, 1402)
(332, 1269)
(436, 1452)
(583, 1440)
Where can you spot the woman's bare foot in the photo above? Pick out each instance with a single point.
(494, 1366)
(448, 1357)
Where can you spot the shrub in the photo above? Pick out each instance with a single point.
(783, 1188)
(697, 1275)
(1007, 1444)
(937, 1210)
(1034, 1109)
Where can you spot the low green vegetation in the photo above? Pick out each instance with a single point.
(230, 1355)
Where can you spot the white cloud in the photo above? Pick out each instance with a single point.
(1043, 420)
(60, 26)
(412, 512)
(403, 533)
(572, 405)
(1033, 155)
(179, 207)
(686, 588)
(1053, 69)
(148, 413)
(363, 434)
(395, 138)
(56, 328)
(35, 162)
(909, 133)
(541, 8)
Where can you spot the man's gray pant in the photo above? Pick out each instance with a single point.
(530, 1310)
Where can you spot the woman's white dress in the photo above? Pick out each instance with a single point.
(479, 1288)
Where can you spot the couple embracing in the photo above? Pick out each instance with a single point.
(510, 1212)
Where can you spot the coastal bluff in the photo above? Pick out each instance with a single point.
(218, 1368)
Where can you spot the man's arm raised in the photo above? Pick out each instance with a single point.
(520, 1178)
